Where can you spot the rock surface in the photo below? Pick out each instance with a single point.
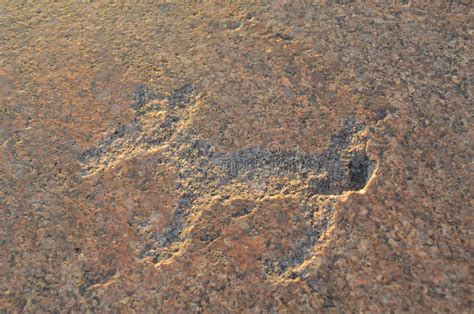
(236, 157)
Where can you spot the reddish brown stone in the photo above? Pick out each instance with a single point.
(294, 157)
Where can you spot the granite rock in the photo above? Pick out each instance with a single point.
(236, 157)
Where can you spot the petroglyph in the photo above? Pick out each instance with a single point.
(204, 172)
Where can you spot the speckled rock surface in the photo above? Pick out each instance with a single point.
(236, 157)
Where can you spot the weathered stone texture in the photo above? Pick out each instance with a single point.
(236, 157)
